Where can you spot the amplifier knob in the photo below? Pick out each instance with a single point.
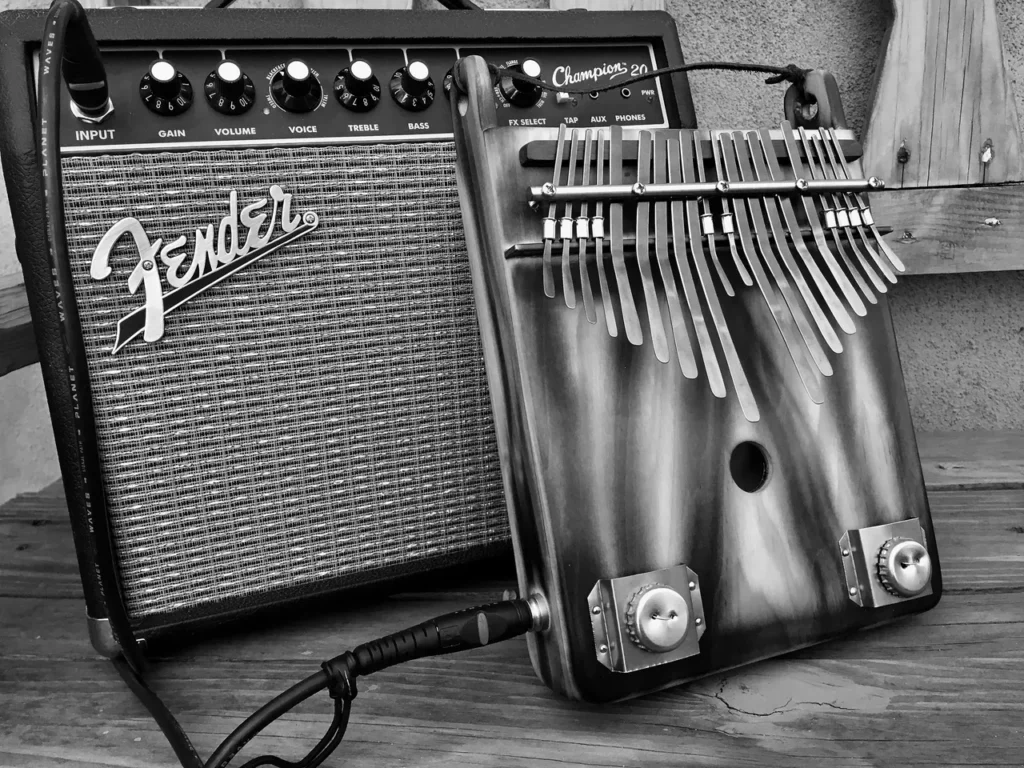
(412, 87)
(165, 90)
(229, 90)
(295, 88)
(519, 92)
(357, 88)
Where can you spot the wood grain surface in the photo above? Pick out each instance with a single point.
(17, 341)
(942, 688)
(943, 92)
(954, 229)
(972, 460)
(609, 5)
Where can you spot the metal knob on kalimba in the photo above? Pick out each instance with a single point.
(904, 567)
(657, 618)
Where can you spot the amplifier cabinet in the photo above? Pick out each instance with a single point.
(285, 372)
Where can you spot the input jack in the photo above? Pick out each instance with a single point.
(594, 94)
(626, 93)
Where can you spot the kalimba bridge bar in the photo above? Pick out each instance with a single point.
(752, 207)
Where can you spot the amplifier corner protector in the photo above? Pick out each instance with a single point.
(102, 638)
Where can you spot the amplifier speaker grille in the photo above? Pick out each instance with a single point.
(320, 414)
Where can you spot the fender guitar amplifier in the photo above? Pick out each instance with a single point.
(285, 392)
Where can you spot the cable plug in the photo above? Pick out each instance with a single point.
(449, 633)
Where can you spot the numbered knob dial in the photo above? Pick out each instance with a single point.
(357, 88)
(229, 90)
(519, 92)
(412, 87)
(296, 88)
(165, 90)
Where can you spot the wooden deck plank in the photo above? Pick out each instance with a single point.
(974, 460)
(947, 230)
(945, 687)
(17, 340)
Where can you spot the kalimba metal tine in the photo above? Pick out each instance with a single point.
(550, 230)
(643, 253)
(700, 326)
(728, 224)
(630, 319)
(680, 332)
(566, 231)
(762, 149)
(681, 157)
(583, 233)
(737, 152)
(707, 224)
(784, 319)
(838, 273)
(779, 234)
(850, 212)
(833, 225)
(831, 171)
(598, 229)
(838, 211)
(856, 273)
(865, 211)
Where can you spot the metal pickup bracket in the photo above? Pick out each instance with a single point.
(613, 608)
(859, 551)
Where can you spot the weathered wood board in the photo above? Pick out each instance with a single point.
(943, 94)
(942, 688)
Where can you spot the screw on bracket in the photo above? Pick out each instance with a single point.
(903, 154)
(987, 152)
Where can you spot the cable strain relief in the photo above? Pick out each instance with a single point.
(414, 642)
(341, 676)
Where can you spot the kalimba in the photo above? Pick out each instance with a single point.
(705, 438)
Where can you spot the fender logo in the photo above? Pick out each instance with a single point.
(209, 265)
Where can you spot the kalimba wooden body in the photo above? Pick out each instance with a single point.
(621, 472)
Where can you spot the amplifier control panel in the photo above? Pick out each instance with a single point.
(184, 97)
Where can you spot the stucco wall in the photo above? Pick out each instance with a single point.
(961, 337)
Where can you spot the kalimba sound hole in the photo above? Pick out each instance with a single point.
(749, 466)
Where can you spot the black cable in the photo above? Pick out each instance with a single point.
(172, 730)
(450, 633)
(451, 5)
(69, 50)
(460, 5)
(323, 749)
(790, 72)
